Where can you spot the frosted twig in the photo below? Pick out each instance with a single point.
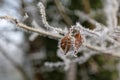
(112, 40)
(21, 25)
(55, 64)
(44, 33)
(111, 8)
(84, 58)
(66, 60)
(100, 50)
(88, 31)
(79, 60)
(25, 17)
(86, 17)
(44, 20)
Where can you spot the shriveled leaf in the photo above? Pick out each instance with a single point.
(65, 43)
(78, 41)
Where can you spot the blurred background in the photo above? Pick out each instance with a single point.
(23, 54)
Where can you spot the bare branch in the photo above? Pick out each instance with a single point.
(61, 9)
(21, 25)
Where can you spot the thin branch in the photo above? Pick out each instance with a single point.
(80, 60)
(54, 36)
(86, 30)
(86, 5)
(44, 19)
(84, 58)
(21, 25)
(61, 9)
(100, 50)
(84, 16)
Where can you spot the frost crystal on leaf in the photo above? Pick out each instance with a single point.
(65, 43)
(72, 40)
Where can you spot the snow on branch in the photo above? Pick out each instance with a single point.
(28, 28)
(44, 19)
(101, 40)
(111, 8)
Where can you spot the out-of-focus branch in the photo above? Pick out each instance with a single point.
(61, 9)
(103, 51)
(111, 9)
(71, 72)
(86, 5)
(15, 64)
(80, 60)
(84, 16)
